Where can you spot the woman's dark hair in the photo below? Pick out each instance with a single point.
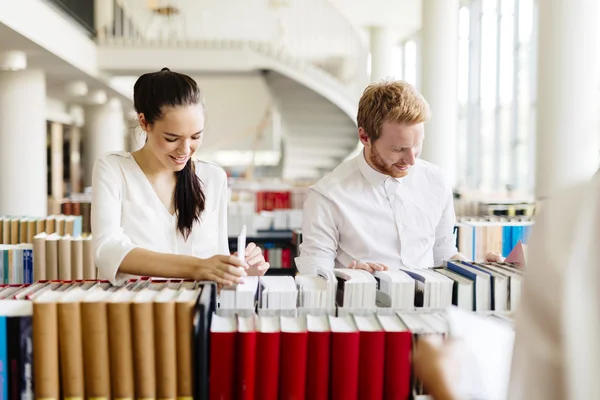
(151, 93)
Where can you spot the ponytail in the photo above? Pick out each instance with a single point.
(189, 198)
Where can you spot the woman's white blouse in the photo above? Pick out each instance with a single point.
(127, 213)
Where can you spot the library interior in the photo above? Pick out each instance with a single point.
(173, 171)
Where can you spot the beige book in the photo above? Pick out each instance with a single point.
(30, 230)
(64, 258)
(51, 224)
(60, 224)
(184, 313)
(70, 225)
(45, 347)
(77, 258)
(40, 226)
(166, 356)
(6, 231)
(52, 256)
(70, 344)
(121, 344)
(95, 344)
(89, 269)
(142, 328)
(39, 257)
(23, 224)
(14, 231)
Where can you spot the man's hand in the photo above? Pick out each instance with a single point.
(494, 257)
(368, 266)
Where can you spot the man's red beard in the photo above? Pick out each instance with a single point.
(381, 166)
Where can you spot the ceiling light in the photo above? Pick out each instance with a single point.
(13, 60)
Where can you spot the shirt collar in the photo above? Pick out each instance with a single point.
(374, 177)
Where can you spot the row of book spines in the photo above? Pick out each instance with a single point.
(16, 376)
(311, 365)
(475, 241)
(63, 257)
(16, 230)
(75, 207)
(16, 264)
(113, 350)
(278, 257)
(269, 201)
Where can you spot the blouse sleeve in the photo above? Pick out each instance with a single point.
(111, 244)
(223, 246)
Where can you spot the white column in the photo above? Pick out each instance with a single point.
(104, 132)
(23, 169)
(439, 76)
(382, 45)
(567, 114)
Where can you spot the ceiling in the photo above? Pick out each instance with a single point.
(403, 16)
(58, 72)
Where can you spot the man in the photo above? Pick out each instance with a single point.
(384, 208)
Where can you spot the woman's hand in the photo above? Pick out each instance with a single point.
(225, 270)
(255, 260)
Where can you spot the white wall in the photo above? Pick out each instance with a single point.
(306, 28)
(235, 106)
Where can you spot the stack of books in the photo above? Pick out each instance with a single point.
(476, 236)
(166, 339)
(88, 339)
(17, 230)
(346, 357)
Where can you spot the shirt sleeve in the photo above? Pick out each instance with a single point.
(445, 239)
(320, 236)
(223, 246)
(111, 244)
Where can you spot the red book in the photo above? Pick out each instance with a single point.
(267, 360)
(286, 258)
(246, 359)
(398, 345)
(292, 380)
(223, 332)
(344, 358)
(317, 357)
(371, 358)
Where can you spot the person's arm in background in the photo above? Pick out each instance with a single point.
(115, 254)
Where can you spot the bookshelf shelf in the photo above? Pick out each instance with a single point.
(280, 250)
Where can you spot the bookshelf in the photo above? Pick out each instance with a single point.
(279, 247)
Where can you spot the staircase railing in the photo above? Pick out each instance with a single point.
(311, 35)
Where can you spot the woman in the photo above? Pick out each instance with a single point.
(157, 212)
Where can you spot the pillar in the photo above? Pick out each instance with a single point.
(104, 132)
(439, 80)
(75, 160)
(23, 169)
(567, 115)
(382, 41)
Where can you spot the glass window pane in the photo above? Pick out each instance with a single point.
(506, 59)
(525, 20)
(410, 62)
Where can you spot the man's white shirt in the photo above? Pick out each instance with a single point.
(358, 213)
